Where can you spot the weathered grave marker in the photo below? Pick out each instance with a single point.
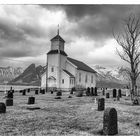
(24, 92)
(31, 100)
(9, 102)
(28, 90)
(36, 91)
(110, 122)
(114, 93)
(59, 93)
(107, 95)
(120, 93)
(2, 108)
(101, 104)
(51, 92)
(95, 91)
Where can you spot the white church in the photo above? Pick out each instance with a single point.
(63, 72)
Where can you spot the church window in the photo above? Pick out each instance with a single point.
(62, 81)
(79, 77)
(86, 78)
(91, 78)
(52, 69)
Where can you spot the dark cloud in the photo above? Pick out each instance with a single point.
(95, 21)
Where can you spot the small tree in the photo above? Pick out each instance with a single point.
(129, 40)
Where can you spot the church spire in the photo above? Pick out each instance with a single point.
(58, 30)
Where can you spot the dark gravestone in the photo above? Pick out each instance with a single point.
(2, 108)
(31, 100)
(9, 102)
(103, 91)
(120, 93)
(43, 91)
(114, 93)
(135, 102)
(20, 91)
(107, 95)
(110, 122)
(95, 91)
(71, 91)
(36, 91)
(10, 94)
(59, 93)
(57, 97)
(79, 93)
(101, 104)
(28, 90)
(24, 92)
(118, 98)
(92, 91)
(51, 92)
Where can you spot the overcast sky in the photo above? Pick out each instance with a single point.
(26, 30)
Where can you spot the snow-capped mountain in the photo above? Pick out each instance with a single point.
(9, 73)
(109, 75)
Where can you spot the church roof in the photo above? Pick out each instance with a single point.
(80, 65)
(56, 52)
(58, 37)
(68, 73)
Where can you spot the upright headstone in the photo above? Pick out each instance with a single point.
(110, 122)
(120, 93)
(59, 93)
(9, 102)
(95, 91)
(36, 91)
(2, 107)
(101, 104)
(51, 92)
(43, 91)
(103, 91)
(107, 95)
(114, 93)
(28, 90)
(31, 100)
(92, 91)
(88, 91)
(24, 92)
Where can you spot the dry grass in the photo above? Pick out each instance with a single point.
(66, 116)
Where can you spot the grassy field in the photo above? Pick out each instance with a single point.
(67, 116)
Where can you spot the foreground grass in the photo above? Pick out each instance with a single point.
(67, 116)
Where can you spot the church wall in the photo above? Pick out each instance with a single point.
(83, 77)
(63, 61)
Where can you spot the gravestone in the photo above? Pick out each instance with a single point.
(79, 93)
(120, 93)
(103, 91)
(2, 108)
(59, 93)
(114, 93)
(92, 91)
(28, 90)
(110, 122)
(95, 91)
(9, 102)
(20, 91)
(71, 91)
(24, 92)
(43, 91)
(31, 100)
(51, 92)
(36, 91)
(10, 94)
(107, 95)
(118, 98)
(101, 104)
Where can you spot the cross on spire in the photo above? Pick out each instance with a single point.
(58, 30)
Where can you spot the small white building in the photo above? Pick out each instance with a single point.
(63, 72)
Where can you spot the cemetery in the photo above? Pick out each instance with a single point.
(92, 112)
